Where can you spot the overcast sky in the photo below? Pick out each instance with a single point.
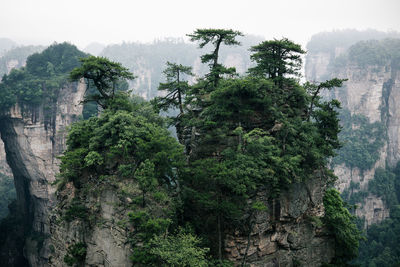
(113, 21)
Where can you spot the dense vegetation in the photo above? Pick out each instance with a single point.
(366, 54)
(42, 78)
(381, 247)
(238, 136)
(376, 53)
(362, 141)
(341, 222)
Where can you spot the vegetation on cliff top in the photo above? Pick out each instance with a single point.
(41, 79)
(238, 135)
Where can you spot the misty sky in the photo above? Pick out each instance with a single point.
(113, 21)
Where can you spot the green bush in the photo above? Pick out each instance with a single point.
(362, 141)
(342, 226)
(76, 254)
(76, 211)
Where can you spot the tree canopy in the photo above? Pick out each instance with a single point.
(216, 37)
(41, 79)
(276, 58)
(105, 75)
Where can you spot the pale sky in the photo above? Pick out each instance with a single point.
(113, 21)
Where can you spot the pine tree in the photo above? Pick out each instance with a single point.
(276, 58)
(216, 37)
(105, 75)
(176, 89)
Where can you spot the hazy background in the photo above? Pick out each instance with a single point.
(84, 21)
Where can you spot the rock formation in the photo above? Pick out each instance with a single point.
(372, 91)
(290, 233)
(32, 147)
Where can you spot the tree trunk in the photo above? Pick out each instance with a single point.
(219, 238)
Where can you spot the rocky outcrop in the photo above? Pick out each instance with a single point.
(32, 146)
(103, 232)
(4, 168)
(372, 91)
(289, 233)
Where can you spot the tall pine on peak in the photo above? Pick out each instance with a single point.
(276, 58)
(216, 37)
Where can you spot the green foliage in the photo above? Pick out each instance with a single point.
(276, 58)
(363, 141)
(375, 53)
(117, 143)
(76, 210)
(383, 185)
(180, 250)
(42, 78)
(248, 134)
(216, 37)
(146, 227)
(176, 87)
(106, 76)
(146, 178)
(381, 247)
(372, 54)
(153, 56)
(76, 254)
(341, 224)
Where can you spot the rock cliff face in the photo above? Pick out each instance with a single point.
(32, 147)
(4, 168)
(290, 233)
(105, 237)
(372, 91)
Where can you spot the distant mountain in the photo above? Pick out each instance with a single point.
(16, 58)
(6, 44)
(94, 48)
(329, 41)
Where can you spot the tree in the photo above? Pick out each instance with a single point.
(276, 58)
(341, 224)
(146, 178)
(180, 250)
(216, 37)
(314, 90)
(177, 89)
(105, 75)
(41, 79)
(175, 86)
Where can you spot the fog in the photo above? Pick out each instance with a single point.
(85, 21)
